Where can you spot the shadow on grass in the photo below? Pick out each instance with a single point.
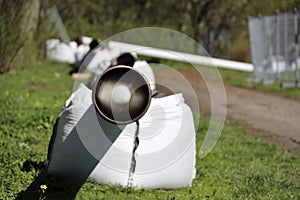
(56, 188)
(80, 163)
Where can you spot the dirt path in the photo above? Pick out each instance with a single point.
(278, 116)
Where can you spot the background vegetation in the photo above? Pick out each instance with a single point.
(23, 32)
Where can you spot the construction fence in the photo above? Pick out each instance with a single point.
(274, 42)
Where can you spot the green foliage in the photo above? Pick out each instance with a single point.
(103, 19)
(240, 50)
(22, 37)
(239, 167)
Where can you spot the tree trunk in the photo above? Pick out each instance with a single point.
(18, 21)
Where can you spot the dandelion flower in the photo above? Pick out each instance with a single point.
(43, 187)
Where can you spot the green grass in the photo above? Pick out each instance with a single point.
(239, 167)
(237, 78)
(243, 79)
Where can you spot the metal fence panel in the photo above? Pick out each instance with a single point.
(57, 23)
(275, 47)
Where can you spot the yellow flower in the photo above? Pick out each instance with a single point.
(43, 187)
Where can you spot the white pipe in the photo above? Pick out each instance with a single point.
(180, 56)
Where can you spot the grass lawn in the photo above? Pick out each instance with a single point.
(239, 167)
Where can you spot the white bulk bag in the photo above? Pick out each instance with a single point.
(97, 61)
(95, 72)
(141, 66)
(97, 56)
(85, 145)
(79, 52)
(59, 51)
(86, 40)
(144, 68)
(166, 153)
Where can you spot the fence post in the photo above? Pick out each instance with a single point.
(296, 46)
(277, 45)
(286, 44)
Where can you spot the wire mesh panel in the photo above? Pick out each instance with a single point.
(57, 23)
(275, 48)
